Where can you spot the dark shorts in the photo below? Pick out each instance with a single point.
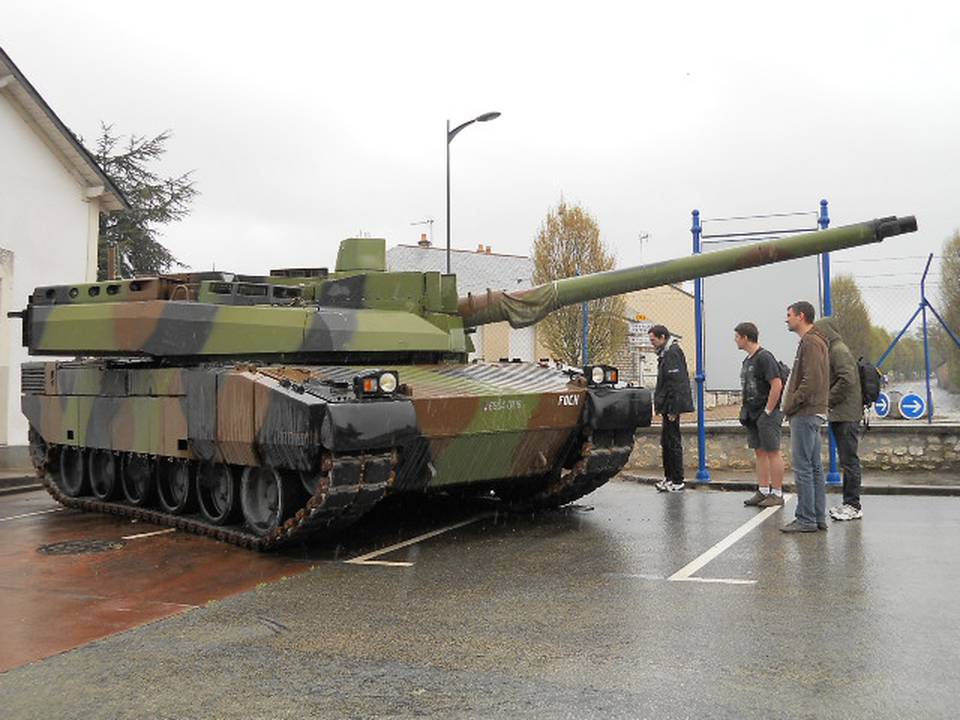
(766, 432)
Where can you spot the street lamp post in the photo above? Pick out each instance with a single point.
(451, 134)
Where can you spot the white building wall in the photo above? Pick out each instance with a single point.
(50, 230)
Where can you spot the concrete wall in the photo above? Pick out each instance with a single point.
(49, 232)
(886, 447)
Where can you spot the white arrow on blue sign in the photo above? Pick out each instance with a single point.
(912, 406)
(882, 405)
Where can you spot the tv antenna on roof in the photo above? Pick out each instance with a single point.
(429, 223)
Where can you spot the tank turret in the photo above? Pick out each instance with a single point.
(358, 313)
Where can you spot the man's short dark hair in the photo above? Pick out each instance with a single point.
(747, 330)
(802, 307)
(660, 331)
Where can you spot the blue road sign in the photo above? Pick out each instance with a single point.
(882, 405)
(912, 406)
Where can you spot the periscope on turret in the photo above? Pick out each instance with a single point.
(263, 410)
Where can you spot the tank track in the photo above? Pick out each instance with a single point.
(596, 463)
(351, 487)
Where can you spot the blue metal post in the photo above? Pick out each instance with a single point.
(823, 222)
(703, 475)
(926, 341)
(926, 358)
(906, 327)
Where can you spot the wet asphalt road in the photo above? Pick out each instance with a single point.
(559, 615)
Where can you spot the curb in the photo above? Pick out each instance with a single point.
(19, 483)
(740, 485)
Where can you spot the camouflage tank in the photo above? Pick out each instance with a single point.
(261, 410)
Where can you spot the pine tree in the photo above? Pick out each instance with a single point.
(154, 200)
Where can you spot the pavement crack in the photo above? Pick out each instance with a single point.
(276, 627)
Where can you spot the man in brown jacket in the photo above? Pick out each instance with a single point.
(805, 406)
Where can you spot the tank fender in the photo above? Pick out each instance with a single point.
(368, 425)
(618, 408)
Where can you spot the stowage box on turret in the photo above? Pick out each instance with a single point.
(261, 410)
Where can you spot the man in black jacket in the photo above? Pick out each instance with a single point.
(671, 398)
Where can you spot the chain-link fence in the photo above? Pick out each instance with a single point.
(671, 306)
(890, 291)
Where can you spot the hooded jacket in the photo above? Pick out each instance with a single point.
(809, 385)
(672, 395)
(845, 403)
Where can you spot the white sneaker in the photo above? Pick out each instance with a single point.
(835, 510)
(667, 486)
(847, 512)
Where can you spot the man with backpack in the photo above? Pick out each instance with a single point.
(845, 409)
(761, 383)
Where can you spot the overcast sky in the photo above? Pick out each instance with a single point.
(308, 124)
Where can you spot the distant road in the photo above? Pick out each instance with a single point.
(946, 406)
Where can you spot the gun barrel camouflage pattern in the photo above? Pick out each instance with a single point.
(526, 307)
(263, 410)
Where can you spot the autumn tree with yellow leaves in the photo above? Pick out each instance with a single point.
(569, 243)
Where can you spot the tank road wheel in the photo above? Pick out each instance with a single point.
(312, 481)
(104, 474)
(267, 497)
(217, 494)
(175, 486)
(139, 479)
(72, 480)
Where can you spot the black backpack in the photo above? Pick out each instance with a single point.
(870, 381)
(783, 370)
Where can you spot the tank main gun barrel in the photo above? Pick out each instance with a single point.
(525, 307)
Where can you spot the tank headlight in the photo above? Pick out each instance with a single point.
(388, 382)
(376, 383)
(601, 375)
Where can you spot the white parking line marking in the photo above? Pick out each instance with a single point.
(685, 573)
(31, 514)
(719, 581)
(148, 534)
(368, 558)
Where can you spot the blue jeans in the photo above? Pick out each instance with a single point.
(808, 469)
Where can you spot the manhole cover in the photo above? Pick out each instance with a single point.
(80, 547)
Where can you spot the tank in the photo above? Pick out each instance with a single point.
(264, 410)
